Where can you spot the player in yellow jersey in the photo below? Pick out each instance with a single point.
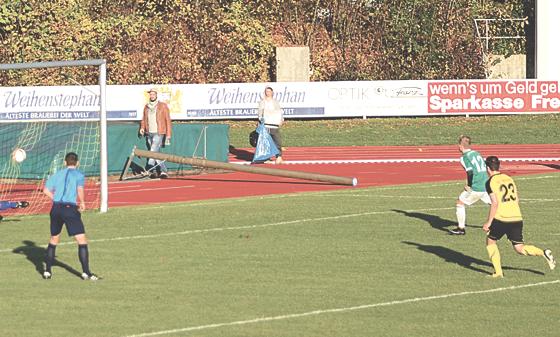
(504, 218)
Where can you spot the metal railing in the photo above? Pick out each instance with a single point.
(483, 31)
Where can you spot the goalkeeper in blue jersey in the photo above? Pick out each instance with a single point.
(475, 188)
(12, 204)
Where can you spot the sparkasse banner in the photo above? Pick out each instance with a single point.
(487, 97)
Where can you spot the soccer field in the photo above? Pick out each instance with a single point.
(353, 262)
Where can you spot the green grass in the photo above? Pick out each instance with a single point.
(197, 264)
(517, 129)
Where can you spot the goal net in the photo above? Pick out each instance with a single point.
(47, 122)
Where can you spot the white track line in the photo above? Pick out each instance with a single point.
(151, 189)
(396, 160)
(342, 310)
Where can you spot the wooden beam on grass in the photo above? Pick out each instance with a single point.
(247, 168)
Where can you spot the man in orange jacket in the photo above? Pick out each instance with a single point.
(156, 126)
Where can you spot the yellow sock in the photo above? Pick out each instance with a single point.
(533, 251)
(494, 254)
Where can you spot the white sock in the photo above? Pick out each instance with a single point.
(461, 216)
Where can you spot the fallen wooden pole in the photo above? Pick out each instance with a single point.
(246, 168)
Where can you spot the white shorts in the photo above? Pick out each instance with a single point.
(469, 198)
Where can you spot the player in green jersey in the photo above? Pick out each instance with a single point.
(475, 188)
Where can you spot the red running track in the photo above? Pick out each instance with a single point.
(372, 165)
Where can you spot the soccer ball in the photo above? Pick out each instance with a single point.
(19, 155)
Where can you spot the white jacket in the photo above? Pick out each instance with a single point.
(271, 113)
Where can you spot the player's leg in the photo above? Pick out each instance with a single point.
(50, 256)
(461, 214)
(83, 254)
(495, 258)
(515, 235)
(56, 228)
(466, 198)
(13, 204)
(75, 226)
(7, 205)
(463, 200)
(497, 230)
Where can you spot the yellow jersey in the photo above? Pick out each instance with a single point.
(505, 190)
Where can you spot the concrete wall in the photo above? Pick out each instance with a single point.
(292, 64)
(512, 67)
(548, 27)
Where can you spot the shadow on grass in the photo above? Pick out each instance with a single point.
(465, 261)
(435, 221)
(36, 255)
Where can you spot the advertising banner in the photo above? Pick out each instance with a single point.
(298, 99)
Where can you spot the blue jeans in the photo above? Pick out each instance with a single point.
(155, 141)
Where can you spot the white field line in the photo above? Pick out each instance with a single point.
(396, 160)
(420, 197)
(151, 189)
(343, 309)
(384, 196)
(115, 186)
(223, 229)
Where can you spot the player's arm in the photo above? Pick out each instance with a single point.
(470, 175)
(493, 207)
(81, 199)
(48, 192)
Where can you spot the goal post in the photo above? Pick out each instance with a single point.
(102, 67)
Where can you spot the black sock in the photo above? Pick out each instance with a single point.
(83, 254)
(49, 259)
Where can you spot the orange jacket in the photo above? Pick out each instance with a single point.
(163, 119)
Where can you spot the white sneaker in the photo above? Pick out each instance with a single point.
(91, 277)
(550, 259)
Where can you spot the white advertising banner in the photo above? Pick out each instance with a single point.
(299, 100)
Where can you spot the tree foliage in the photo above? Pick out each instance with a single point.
(200, 41)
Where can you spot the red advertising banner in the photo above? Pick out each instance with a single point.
(493, 96)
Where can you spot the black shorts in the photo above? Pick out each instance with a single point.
(513, 230)
(66, 214)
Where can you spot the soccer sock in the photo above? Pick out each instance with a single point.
(49, 259)
(83, 254)
(494, 254)
(532, 251)
(461, 216)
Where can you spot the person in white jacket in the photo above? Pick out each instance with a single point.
(272, 115)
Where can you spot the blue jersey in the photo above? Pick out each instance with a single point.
(64, 185)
